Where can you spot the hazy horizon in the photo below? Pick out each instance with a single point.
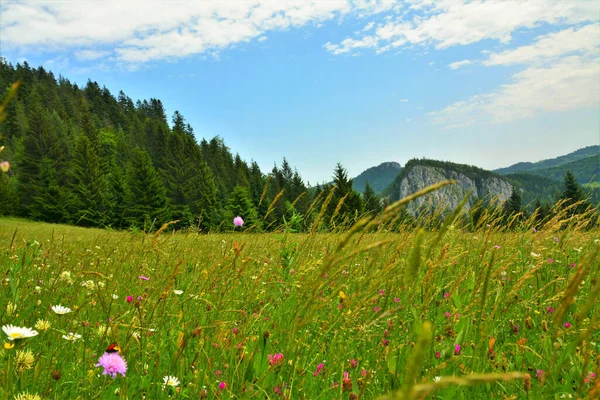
(357, 82)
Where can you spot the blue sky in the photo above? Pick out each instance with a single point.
(360, 82)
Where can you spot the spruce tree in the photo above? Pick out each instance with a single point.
(371, 200)
(147, 203)
(240, 204)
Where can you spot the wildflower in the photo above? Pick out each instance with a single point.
(178, 292)
(534, 230)
(238, 221)
(27, 396)
(567, 325)
(515, 329)
(539, 375)
(385, 342)
(550, 310)
(24, 360)
(396, 300)
(376, 309)
(555, 239)
(438, 354)
(60, 310)
(346, 382)
(4, 166)
(115, 296)
(129, 299)
(527, 382)
(497, 247)
(10, 308)
(171, 381)
(550, 260)
(535, 254)
(446, 295)
(275, 360)
(381, 292)
(353, 363)
(144, 278)
(15, 332)
(437, 378)
(457, 349)
(447, 314)
(223, 385)
(113, 364)
(89, 285)
(318, 370)
(590, 377)
(8, 345)
(572, 265)
(73, 337)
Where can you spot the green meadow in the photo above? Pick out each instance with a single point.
(453, 312)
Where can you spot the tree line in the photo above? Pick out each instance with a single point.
(80, 155)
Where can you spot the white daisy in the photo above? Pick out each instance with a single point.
(72, 336)
(60, 310)
(178, 292)
(15, 332)
(171, 381)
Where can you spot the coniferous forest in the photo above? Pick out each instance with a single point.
(83, 156)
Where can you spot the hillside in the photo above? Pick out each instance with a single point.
(379, 177)
(585, 170)
(577, 155)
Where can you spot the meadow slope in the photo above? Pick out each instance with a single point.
(438, 314)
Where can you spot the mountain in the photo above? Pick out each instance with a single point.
(586, 170)
(586, 152)
(418, 174)
(379, 177)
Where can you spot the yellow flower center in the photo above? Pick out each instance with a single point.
(16, 335)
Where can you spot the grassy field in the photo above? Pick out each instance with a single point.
(443, 314)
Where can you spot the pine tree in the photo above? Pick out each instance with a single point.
(147, 203)
(513, 204)
(47, 203)
(371, 200)
(89, 185)
(352, 202)
(240, 204)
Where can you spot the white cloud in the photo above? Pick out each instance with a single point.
(91, 54)
(447, 23)
(458, 64)
(550, 47)
(403, 100)
(560, 71)
(160, 30)
(369, 26)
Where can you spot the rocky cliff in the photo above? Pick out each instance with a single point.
(482, 186)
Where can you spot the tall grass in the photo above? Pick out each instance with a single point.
(385, 311)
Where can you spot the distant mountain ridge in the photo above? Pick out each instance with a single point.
(586, 152)
(379, 177)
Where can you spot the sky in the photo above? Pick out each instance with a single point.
(360, 82)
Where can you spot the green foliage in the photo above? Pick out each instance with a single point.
(580, 154)
(240, 204)
(379, 177)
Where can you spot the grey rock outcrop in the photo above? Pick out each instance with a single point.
(420, 176)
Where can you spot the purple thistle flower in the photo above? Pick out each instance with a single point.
(113, 364)
(238, 221)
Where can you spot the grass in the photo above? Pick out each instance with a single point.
(385, 313)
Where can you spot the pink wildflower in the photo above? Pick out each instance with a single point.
(550, 261)
(376, 309)
(129, 299)
(446, 295)
(346, 382)
(113, 364)
(550, 310)
(590, 377)
(223, 385)
(381, 292)
(275, 360)
(567, 325)
(238, 221)
(144, 278)
(318, 370)
(396, 300)
(539, 375)
(353, 363)
(438, 354)
(457, 349)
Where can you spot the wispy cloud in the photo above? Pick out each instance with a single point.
(559, 72)
(458, 64)
(160, 30)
